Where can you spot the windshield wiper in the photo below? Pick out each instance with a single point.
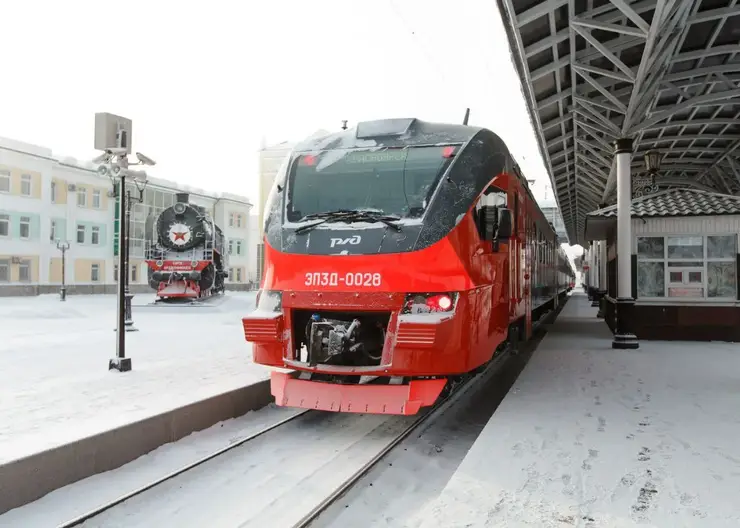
(349, 216)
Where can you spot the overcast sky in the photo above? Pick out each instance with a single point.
(204, 82)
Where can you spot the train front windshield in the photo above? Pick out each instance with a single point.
(391, 181)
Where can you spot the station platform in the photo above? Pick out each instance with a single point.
(590, 436)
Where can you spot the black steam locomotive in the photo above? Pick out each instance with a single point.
(188, 259)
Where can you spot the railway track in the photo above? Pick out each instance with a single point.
(342, 488)
(338, 492)
(438, 409)
(77, 521)
(369, 496)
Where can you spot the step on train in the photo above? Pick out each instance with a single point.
(400, 255)
(187, 261)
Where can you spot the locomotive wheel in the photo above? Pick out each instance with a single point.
(207, 277)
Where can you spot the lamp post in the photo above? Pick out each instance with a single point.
(128, 318)
(113, 137)
(63, 247)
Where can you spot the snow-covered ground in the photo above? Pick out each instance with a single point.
(55, 386)
(595, 437)
(271, 481)
(85, 495)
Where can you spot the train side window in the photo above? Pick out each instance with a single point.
(492, 197)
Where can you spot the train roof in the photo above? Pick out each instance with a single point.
(397, 132)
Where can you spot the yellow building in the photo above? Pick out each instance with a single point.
(48, 202)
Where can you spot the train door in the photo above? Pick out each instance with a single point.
(528, 278)
(515, 257)
(491, 264)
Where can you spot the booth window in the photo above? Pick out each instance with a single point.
(687, 266)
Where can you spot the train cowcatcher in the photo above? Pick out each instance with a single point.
(399, 256)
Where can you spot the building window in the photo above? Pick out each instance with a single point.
(4, 225)
(53, 192)
(81, 197)
(95, 237)
(95, 272)
(720, 273)
(231, 219)
(26, 185)
(115, 272)
(25, 227)
(691, 266)
(134, 273)
(238, 274)
(238, 220)
(4, 181)
(238, 247)
(4, 270)
(80, 234)
(53, 231)
(231, 247)
(24, 271)
(96, 199)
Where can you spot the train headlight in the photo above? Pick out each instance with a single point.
(179, 208)
(421, 303)
(270, 300)
(440, 302)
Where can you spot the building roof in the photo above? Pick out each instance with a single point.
(662, 73)
(87, 166)
(677, 202)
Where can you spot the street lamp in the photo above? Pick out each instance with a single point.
(129, 322)
(63, 247)
(113, 137)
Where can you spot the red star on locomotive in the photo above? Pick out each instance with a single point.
(399, 256)
(180, 236)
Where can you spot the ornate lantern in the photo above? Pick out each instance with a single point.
(652, 161)
(645, 183)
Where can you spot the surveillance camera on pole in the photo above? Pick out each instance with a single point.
(113, 136)
(144, 160)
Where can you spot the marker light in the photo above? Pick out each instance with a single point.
(421, 303)
(309, 159)
(269, 300)
(439, 303)
(448, 152)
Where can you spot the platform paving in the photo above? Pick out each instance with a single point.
(595, 437)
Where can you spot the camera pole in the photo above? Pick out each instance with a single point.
(113, 137)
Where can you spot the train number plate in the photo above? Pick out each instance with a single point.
(364, 280)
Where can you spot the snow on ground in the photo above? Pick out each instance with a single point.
(595, 437)
(85, 495)
(54, 375)
(271, 481)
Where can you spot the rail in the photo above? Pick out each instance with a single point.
(115, 502)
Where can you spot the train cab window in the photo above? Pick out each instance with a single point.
(394, 181)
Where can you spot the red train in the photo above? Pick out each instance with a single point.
(399, 255)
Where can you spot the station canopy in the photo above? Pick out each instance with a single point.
(664, 73)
